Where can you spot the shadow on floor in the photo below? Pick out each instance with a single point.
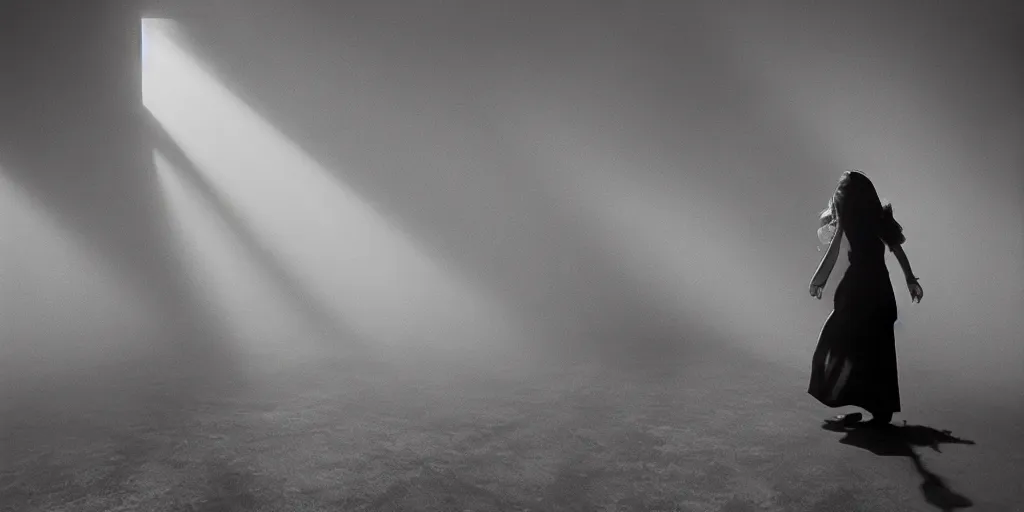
(901, 441)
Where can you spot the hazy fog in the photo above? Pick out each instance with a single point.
(501, 179)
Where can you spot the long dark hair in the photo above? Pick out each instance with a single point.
(857, 204)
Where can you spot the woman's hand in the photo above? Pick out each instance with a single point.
(916, 293)
(816, 290)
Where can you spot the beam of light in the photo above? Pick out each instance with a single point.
(361, 267)
(53, 288)
(225, 275)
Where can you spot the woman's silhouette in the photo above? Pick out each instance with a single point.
(855, 361)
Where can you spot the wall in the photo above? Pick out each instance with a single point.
(90, 286)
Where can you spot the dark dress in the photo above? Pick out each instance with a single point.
(855, 361)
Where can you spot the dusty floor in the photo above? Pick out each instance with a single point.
(329, 436)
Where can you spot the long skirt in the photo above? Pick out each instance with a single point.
(854, 363)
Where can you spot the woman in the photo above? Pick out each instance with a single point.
(855, 360)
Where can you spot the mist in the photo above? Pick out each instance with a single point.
(204, 193)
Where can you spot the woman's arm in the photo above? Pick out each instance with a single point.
(904, 262)
(828, 262)
(916, 293)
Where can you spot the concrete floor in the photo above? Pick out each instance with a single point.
(718, 434)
